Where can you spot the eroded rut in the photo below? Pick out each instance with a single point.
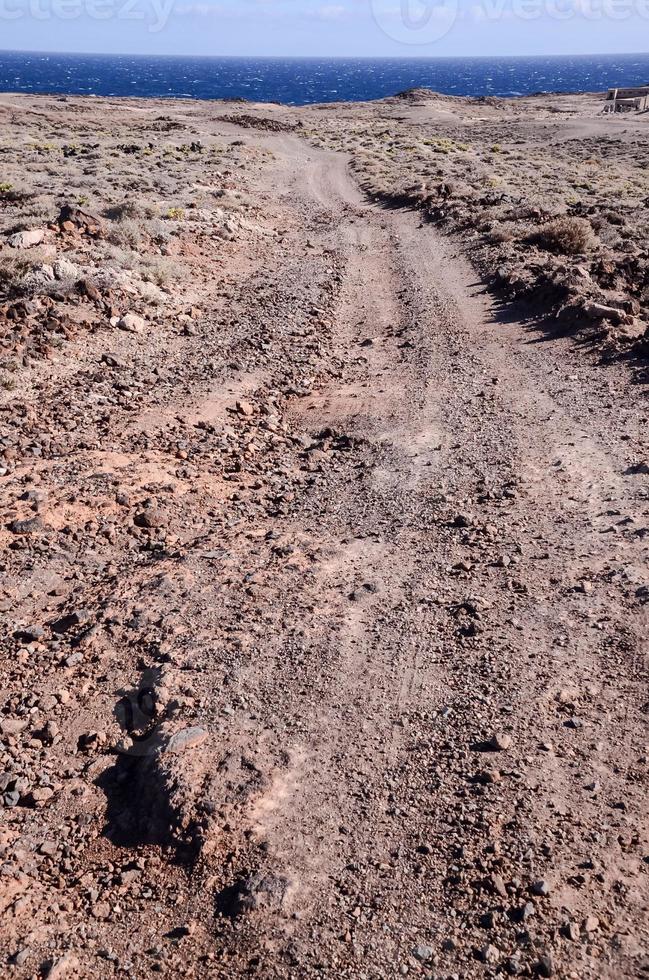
(404, 639)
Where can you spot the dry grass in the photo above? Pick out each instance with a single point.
(565, 236)
(126, 233)
(14, 266)
(125, 211)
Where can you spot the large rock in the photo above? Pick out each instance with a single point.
(132, 323)
(64, 269)
(600, 311)
(74, 219)
(27, 239)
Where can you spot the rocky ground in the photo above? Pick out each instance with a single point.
(324, 569)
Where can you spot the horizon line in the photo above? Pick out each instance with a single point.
(323, 57)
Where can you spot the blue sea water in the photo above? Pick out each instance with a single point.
(302, 80)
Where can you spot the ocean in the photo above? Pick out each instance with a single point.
(298, 81)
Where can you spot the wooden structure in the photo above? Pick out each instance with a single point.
(627, 99)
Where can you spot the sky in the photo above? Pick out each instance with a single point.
(398, 28)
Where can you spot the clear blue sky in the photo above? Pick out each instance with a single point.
(327, 27)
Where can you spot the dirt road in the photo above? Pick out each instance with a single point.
(485, 577)
(396, 623)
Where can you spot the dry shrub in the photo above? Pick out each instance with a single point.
(500, 236)
(160, 271)
(126, 233)
(158, 231)
(125, 211)
(38, 210)
(12, 195)
(566, 236)
(16, 266)
(121, 258)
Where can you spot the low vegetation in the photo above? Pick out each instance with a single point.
(565, 236)
(108, 222)
(557, 221)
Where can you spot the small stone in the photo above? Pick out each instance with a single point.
(526, 912)
(78, 617)
(497, 885)
(489, 776)
(545, 965)
(89, 741)
(571, 931)
(590, 924)
(513, 966)
(423, 953)
(12, 726)
(566, 696)
(113, 360)
(188, 738)
(33, 633)
(41, 796)
(28, 526)
(500, 742)
(574, 723)
(261, 892)
(88, 288)
(540, 888)
(64, 269)
(61, 968)
(150, 518)
(245, 408)
(489, 954)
